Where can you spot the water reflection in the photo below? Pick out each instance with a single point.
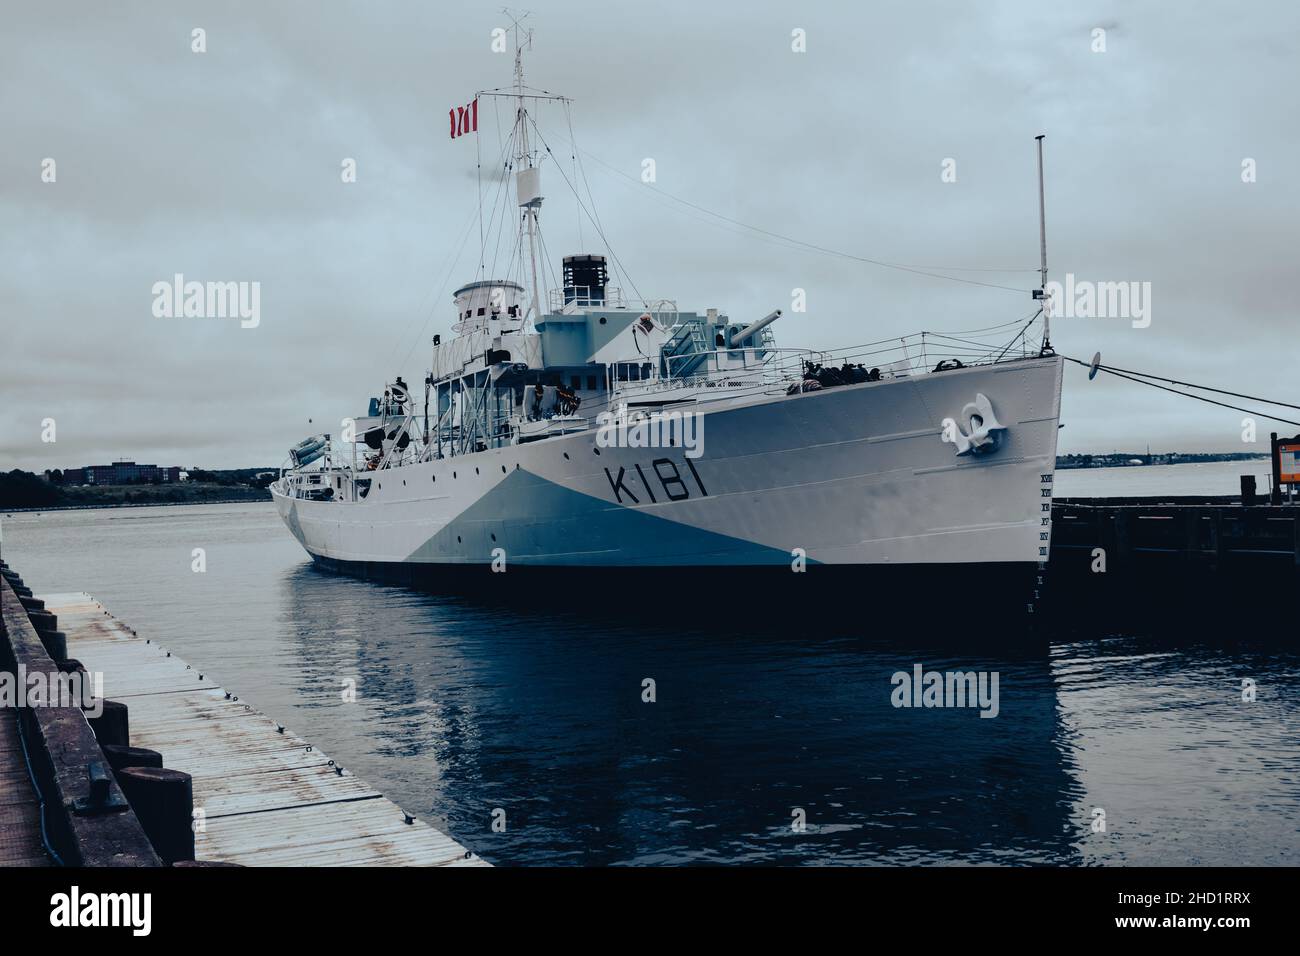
(473, 707)
(464, 707)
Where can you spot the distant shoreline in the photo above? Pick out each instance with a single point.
(1076, 462)
(139, 504)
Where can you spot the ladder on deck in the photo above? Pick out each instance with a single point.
(689, 345)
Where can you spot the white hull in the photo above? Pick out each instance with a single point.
(852, 475)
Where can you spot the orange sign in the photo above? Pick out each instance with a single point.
(1288, 454)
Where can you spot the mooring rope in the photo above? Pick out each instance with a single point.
(1132, 377)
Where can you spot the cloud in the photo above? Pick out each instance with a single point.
(225, 166)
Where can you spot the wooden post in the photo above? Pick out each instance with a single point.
(164, 802)
(1123, 542)
(1276, 496)
(1216, 535)
(56, 644)
(112, 726)
(1189, 534)
(120, 757)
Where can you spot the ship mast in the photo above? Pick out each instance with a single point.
(1041, 293)
(527, 176)
(528, 182)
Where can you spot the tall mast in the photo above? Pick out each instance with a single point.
(527, 178)
(1042, 250)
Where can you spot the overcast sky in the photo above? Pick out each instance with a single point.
(225, 165)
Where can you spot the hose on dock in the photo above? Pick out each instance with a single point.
(40, 795)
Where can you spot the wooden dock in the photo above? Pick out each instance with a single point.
(263, 795)
(1191, 564)
(1217, 535)
(20, 808)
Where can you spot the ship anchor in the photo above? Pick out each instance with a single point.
(985, 431)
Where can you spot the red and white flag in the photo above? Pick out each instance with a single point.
(464, 119)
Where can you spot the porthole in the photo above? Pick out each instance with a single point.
(602, 320)
(453, 474)
(596, 450)
(433, 477)
(476, 471)
(458, 539)
(503, 469)
(494, 537)
(566, 456)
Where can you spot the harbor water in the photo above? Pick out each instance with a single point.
(758, 748)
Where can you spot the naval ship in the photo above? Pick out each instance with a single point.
(594, 442)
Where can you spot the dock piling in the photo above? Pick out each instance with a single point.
(120, 757)
(112, 727)
(164, 801)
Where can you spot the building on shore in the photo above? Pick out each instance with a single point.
(123, 473)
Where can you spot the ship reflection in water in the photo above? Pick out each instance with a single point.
(466, 710)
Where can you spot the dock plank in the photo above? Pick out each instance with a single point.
(20, 814)
(268, 796)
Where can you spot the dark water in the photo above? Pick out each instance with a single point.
(462, 709)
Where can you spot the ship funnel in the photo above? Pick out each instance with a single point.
(585, 277)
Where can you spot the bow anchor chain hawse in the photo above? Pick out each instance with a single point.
(985, 432)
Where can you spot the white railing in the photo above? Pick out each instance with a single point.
(569, 299)
(724, 373)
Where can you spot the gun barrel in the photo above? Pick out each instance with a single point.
(748, 331)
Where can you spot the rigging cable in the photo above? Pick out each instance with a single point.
(1020, 334)
(592, 199)
(469, 226)
(1204, 388)
(919, 270)
(604, 239)
(573, 158)
(1199, 398)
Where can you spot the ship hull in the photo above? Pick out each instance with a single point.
(836, 487)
